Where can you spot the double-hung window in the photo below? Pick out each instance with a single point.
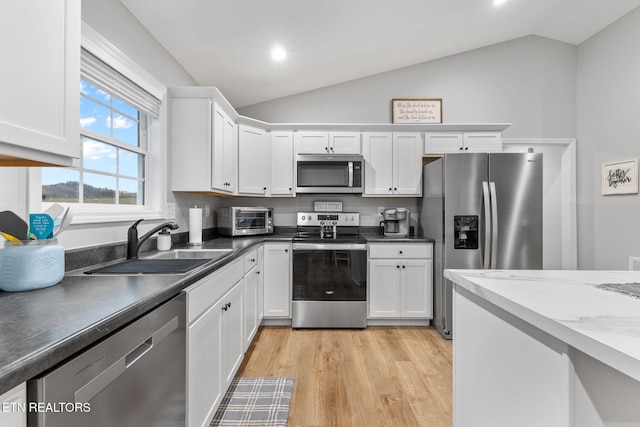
(115, 120)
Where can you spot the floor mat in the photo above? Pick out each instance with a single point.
(258, 401)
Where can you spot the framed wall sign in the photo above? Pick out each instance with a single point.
(416, 110)
(620, 177)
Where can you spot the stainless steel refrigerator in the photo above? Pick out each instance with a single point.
(485, 212)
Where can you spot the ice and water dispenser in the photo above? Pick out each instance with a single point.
(465, 231)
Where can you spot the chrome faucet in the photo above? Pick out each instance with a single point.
(133, 243)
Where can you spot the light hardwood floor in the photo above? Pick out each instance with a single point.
(378, 376)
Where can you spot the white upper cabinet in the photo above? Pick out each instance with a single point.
(407, 164)
(203, 140)
(378, 167)
(482, 142)
(393, 163)
(309, 142)
(312, 142)
(282, 163)
(216, 150)
(344, 143)
(190, 131)
(224, 151)
(253, 161)
(442, 142)
(462, 142)
(39, 82)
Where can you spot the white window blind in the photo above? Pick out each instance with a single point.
(97, 72)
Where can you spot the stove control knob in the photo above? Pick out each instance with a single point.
(334, 222)
(321, 222)
(304, 217)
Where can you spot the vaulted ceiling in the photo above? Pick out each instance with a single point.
(228, 43)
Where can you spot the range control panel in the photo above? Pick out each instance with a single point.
(351, 219)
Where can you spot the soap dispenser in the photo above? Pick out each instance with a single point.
(164, 240)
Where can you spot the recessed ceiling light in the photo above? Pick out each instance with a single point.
(278, 53)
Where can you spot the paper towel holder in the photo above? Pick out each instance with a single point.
(195, 226)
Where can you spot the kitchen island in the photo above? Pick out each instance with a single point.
(546, 348)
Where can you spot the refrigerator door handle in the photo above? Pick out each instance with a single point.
(487, 225)
(494, 225)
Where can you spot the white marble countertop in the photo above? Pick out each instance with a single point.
(570, 306)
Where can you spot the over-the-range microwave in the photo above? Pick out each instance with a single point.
(318, 173)
(245, 221)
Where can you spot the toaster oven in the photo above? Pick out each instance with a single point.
(245, 221)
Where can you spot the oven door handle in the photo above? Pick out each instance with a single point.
(329, 246)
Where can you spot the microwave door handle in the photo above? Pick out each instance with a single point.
(350, 174)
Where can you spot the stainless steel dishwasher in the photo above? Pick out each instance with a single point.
(135, 377)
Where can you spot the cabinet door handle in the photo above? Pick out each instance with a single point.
(400, 252)
(397, 266)
(403, 266)
(390, 189)
(466, 148)
(286, 250)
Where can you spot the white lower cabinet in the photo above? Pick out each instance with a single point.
(277, 280)
(232, 334)
(12, 414)
(253, 295)
(401, 281)
(203, 367)
(215, 343)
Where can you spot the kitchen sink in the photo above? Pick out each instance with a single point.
(151, 266)
(175, 261)
(190, 254)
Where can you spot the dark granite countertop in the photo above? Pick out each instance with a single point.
(41, 328)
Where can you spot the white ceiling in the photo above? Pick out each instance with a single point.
(227, 43)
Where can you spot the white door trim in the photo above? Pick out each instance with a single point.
(568, 191)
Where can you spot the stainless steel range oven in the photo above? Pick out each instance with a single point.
(329, 272)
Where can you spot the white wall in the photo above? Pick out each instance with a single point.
(608, 130)
(285, 209)
(529, 82)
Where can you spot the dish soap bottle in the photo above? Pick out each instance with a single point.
(164, 240)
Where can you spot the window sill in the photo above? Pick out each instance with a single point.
(95, 216)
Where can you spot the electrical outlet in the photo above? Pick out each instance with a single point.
(171, 211)
(380, 210)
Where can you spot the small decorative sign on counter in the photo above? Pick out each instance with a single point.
(416, 110)
(620, 177)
